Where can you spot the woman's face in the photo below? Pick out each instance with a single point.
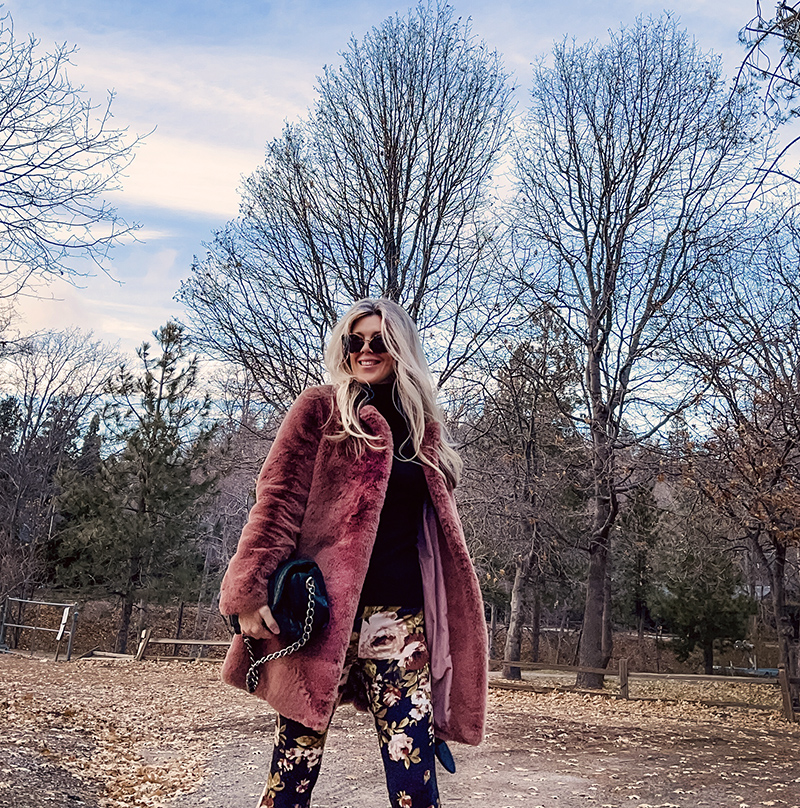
(366, 366)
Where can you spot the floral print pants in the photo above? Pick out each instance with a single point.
(389, 657)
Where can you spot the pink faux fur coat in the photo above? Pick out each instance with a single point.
(315, 499)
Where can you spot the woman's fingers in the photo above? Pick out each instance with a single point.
(260, 624)
(251, 625)
(269, 620)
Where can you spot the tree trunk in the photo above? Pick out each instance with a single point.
(492, 629)
(777, 579)
(536, 621)
(121, 644)
(141, 619)
(708, 657)
(202, 592)
(134, 576)
(591, 649)
(590, 652)
(782, 621)
(608, 637)
(15, 634)
(515, 622)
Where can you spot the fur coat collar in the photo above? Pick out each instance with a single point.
(316, 500)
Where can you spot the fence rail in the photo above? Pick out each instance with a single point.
(146, 640)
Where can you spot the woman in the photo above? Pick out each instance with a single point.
(360, 479)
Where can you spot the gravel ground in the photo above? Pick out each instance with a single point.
(110, 734)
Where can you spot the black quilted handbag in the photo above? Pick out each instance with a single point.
(299, 603)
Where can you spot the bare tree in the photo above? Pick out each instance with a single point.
(629, 169)
(523, 465)
(382, 191)
(50, 384)
(747, 346)
(59, 154)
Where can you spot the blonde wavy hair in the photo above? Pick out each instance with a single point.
(413, 385)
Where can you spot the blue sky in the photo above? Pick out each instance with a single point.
(214, 81)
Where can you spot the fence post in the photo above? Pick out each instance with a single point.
(3, 624)
(623, 678)
(143, 641)
(61, 629)
(786, 693)
(178, 630)
(72, 630)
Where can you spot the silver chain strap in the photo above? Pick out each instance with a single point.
(255, 664)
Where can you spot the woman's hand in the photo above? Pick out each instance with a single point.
(259, 624)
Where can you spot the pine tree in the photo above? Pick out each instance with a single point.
(635, 541)
(131, 523)
(701, 599)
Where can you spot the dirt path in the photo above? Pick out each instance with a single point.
(169, 734)
(352, 775)
(531, 760)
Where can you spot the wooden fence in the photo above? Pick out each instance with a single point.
(788, 684)
(67, 623)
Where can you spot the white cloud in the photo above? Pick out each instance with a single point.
(116, 312)
(186, 175)
(208, 93)
(209, 112)
(150, 234)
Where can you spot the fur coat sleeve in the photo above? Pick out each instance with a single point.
(270, 535)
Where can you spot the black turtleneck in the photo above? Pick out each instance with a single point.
(394, 578)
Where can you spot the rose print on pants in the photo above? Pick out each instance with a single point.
(383, 636)
(389, 656)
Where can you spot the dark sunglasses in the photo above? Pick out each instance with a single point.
(354, 344)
